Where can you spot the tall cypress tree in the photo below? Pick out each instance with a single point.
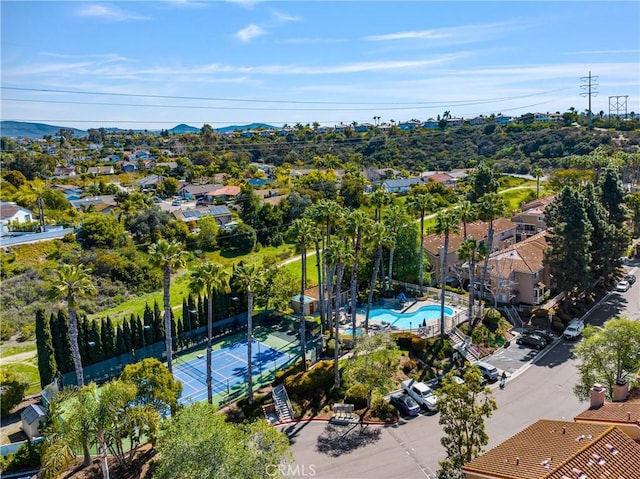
(61, 341)
(108, 338)
(127, 336)
(186, 319)
(180, 329)
(158, 323)
(143, 334)
(174, 331)
(83, 339)
(603, 264)
(44, 347)
(94, 343)
(120, 343)
(202, 315)
(570, 239)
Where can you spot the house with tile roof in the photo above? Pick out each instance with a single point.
(531, 219)
(224, 193)
(549, 449)
(518, 274)
(504, 232)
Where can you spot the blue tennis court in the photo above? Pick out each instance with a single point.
(229, 368)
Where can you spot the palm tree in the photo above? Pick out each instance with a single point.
(491, 206)
(467, 213)
(168, 256)
(210, 279)
(420, 203)
(304, 233)
(248, 277)
(357, 222)
(380, 239)
(70, 283)
(471, 251)
(537, 173)
(446, 224)
(395, 220)
(338, 254)
(379, 198)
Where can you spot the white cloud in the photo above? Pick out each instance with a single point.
(282, 17)
(107, 12)
(249, 33)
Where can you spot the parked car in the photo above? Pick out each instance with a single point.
(405, 404)
(623, 286)
(546, 335)
(631, 278)
(574, 329)
(489, 372)
(531, 340)
(421, 393)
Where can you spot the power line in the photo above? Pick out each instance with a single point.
(590, 87)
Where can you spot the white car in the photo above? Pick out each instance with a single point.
(574, 329)
(421, 393)
(623, 286)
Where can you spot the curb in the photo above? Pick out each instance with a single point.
(321, 419)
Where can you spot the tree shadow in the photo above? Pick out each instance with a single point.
(338, 440)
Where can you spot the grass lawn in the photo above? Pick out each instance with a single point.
(7, 351)
(295, 268)
(28, 371)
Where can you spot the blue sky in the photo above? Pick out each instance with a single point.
(155, 64)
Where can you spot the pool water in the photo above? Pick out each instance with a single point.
(408, 320)
(349, 331)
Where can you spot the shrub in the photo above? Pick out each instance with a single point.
(357, 395)
(383, 410)
(409, 366)
(418, 344)
(27, 456)
(317, 378)
(403, 339)
(285, 373)
(12, 390)
(329, 347)
(491, 317)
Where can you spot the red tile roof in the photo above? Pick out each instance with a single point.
(613, 413)
(561, 450)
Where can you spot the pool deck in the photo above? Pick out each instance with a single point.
(411, 306)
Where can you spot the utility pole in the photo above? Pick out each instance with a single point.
(617, 105)
(590, 87)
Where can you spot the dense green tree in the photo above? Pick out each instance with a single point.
(249, 204)
(242, 238)
(12, 388)
(463, 408)
(483, 180)
(570, 240)
(98, 229)
(127, 335)
(157, 324)
(613, 197)
(70, 283)
(199, 443)
(120, 347)
(633, 203)
(209, 279)
(207, 236)
(94, 343)
(374, 361)
(44, 348)
(149, 225)
(169, 187)
(608, 355)
(156, 386)
(446, 225)
(352, 190)
(168, 257)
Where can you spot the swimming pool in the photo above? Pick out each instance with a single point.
(414, 319)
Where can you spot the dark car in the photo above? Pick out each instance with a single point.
(630, 278)
(405, 404)
(546, 335)
(531, 340)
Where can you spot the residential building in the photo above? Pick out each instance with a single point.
(102, 204)
(531, 219)
(518, 274)
(602, 442)
(504, 233)
(190, 191)
(443, 177)
(560, 450)
(10, 213)
(64, 171)
(221, 214)
(71, 192)
(402, 185)
(100, 170)
(32, 417)
(222, 193)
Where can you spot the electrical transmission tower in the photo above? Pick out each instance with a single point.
(590, 87)
(618, 105)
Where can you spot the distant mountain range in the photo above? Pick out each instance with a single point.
(19, 129)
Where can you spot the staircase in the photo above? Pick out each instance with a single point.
(282, 403)
(462, 344)
(512, 315)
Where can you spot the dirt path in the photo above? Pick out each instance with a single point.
(16, 358)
